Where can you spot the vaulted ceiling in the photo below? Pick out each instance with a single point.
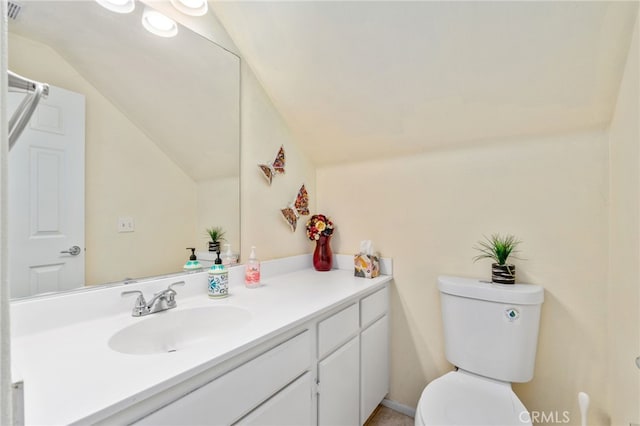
(370, 79)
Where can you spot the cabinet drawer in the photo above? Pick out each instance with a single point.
(337, 329)
(373, 306)
(289, 407)
(235, 393)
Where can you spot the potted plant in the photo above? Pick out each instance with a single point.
(216, 234)
(499, 249)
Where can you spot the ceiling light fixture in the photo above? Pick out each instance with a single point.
(118, 6)
(191, 7)
(158, 24)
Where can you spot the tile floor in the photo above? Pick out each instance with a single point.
(385, 416)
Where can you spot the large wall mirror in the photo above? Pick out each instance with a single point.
(158, 162)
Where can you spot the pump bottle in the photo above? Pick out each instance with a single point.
(228, 258)
(252, 272)
(192, 264)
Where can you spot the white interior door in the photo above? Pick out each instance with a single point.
(46, 196)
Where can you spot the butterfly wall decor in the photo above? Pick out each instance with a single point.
(277, 167)
(299, 206)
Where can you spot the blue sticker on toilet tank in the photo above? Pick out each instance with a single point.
(512, 314)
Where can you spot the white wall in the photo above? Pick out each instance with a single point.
(624, 246)
(428, 210)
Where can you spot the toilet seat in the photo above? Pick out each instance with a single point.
(463, 398)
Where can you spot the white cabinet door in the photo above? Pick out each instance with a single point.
(289, 407)
(374, 366)
(339, 384)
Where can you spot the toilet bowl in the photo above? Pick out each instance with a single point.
(465, 399)
(491, 336)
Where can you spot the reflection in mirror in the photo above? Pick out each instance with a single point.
(133, 155)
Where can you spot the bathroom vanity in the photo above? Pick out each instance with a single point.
(305, 348)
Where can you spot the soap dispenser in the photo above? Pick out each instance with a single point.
(252, 272)
(218, 279)
(193, 263)
(228, 258)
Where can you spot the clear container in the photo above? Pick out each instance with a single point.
(228, 258)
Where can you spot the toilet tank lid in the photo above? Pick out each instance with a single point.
(521, 294)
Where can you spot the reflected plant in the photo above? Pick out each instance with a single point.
(216, 233)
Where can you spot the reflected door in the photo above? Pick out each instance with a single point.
(46, 197)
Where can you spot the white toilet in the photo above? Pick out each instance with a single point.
(490, 335)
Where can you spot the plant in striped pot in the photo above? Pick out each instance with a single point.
(499, 249)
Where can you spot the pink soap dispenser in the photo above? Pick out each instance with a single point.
(252, 271)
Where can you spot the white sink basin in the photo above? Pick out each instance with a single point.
(175, 329)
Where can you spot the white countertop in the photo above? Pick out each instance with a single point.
(71, 375)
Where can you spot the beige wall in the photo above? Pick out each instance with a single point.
(174, 204)
(573, 199)
(126, 175)
(624, 246)
(428, 210)
(263, 131)
(212, 194)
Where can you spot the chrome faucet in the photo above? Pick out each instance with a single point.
(166, 299)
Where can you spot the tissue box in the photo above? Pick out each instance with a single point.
(366, 265)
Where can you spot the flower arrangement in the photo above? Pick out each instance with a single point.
(319, 225)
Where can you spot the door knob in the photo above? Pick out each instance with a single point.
(73, 251)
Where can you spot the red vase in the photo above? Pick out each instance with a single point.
(322, 255)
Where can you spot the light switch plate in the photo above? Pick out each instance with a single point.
(126, 224)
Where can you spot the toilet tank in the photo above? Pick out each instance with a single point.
(491, 329)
